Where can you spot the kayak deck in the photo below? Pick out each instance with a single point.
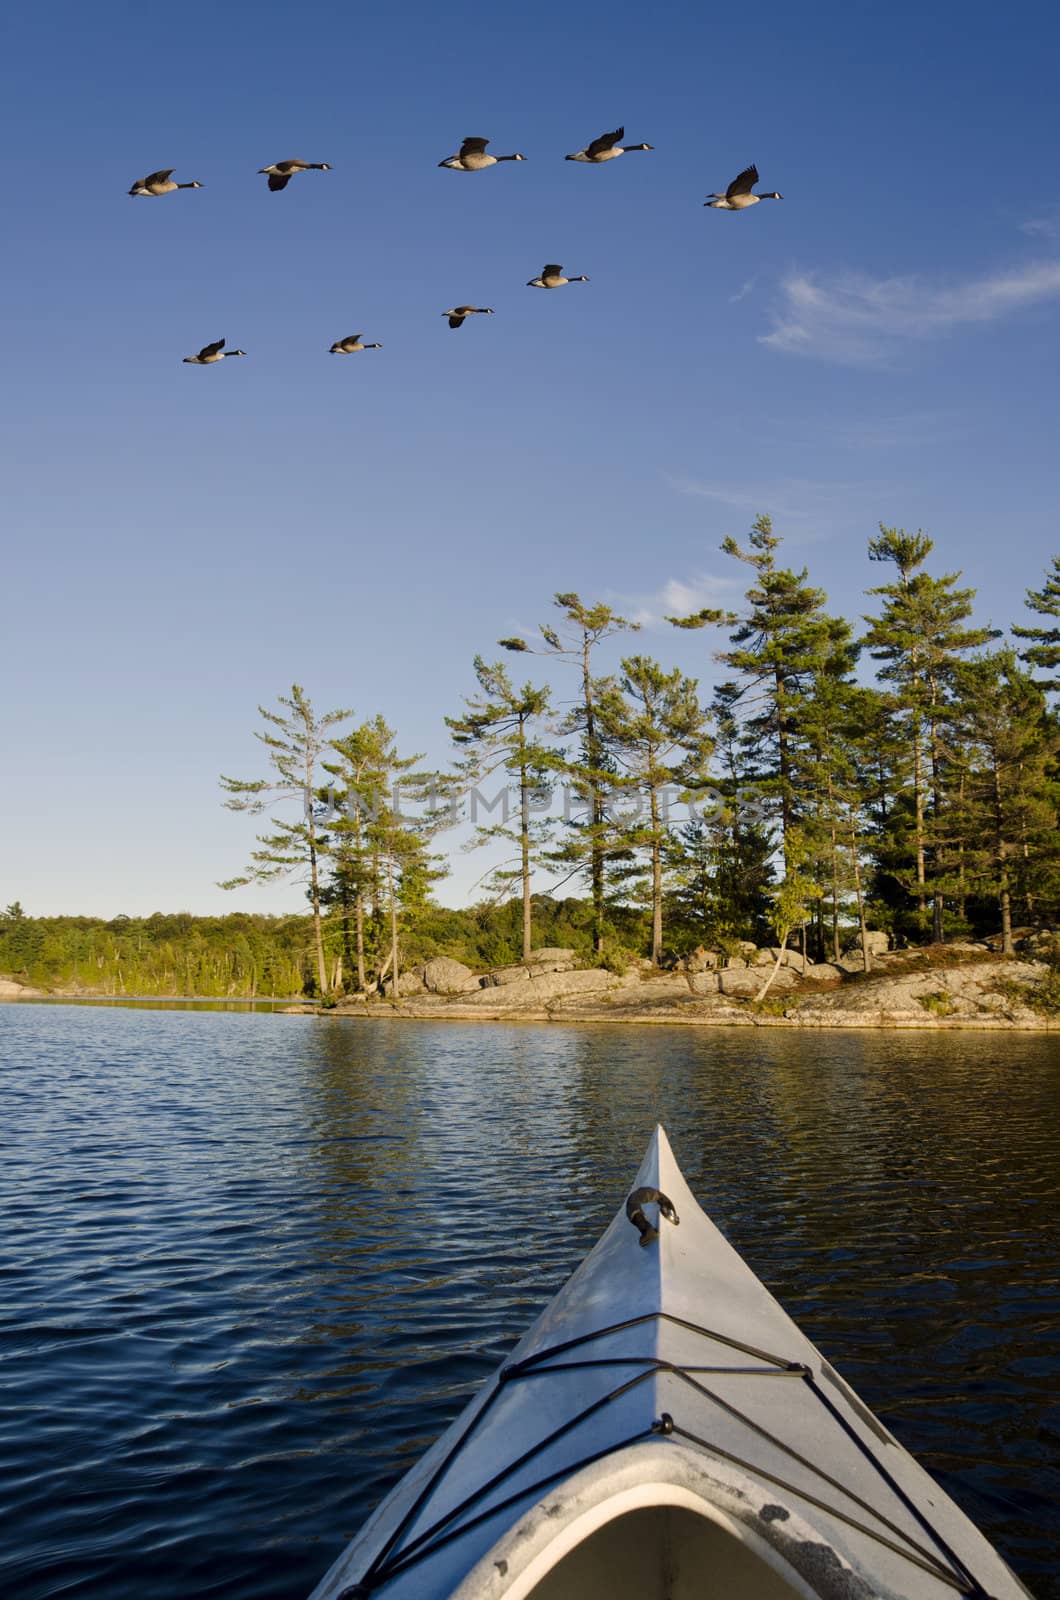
(665, 1429)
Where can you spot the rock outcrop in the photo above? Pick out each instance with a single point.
(937, 987)
(443, 975)
(13, 989)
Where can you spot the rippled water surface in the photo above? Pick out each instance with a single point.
(251, 1265)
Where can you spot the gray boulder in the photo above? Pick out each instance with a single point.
(502, 975)
(410, 982)
(548, 954)
(792, 959)
(750, 980)
(541, 991)
(443, 975)
(700, 960)
(821, 971)
(876, 940)
(704, 982)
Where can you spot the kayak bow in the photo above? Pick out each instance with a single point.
(664, 1431)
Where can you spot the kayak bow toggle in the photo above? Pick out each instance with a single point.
(635, 1212)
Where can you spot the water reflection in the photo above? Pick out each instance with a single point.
(253, 1264)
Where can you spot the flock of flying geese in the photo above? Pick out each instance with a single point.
(471, 157)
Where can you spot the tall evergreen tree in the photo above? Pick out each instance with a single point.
(589, 772)
(780, 644)
(386, 845)
(720, 863)
(1044, 648)
(833, 763)
(501, 731)
(656, 732)
(1011, 821)
(920, 638)
(355, 891)
(296, 739)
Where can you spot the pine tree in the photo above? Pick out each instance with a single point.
(1044, 651)
(589, 772)
(500, 732)
(1011, 800)
(656, 733)
(780, 644)
(296, 740)
(720, 863)
(386, 845)
(356, 882)
(920, 639)
(833, 762)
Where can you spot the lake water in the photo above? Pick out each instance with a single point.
(250, 1265)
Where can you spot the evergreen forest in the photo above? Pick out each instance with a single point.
(898, 771)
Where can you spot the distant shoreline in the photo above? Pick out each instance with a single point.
(935, 990)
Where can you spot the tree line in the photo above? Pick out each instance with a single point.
(924, 802)
(902, 773)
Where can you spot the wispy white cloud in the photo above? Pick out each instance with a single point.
(742, 293)
(792, 499)
(861, 321)
(678, 597)
(1044, 226)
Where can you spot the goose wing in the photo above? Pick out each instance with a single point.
(553, 270)
(211, 349)
(606, 141)
(744, 183)
(158, 177)
(279, 180)
(473, 147)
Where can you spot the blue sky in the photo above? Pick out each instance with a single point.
(182, 543)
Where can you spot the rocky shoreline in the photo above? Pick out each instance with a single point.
(950, 987)
(944, 987)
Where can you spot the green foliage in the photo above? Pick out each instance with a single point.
(236, 956)
(1044, 647)
(655, 731)
(939, 1003)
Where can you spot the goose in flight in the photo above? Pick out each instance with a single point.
(351, 344)
(552, 278)
(211, 353)
(738, 196)
(458, 313)
(472, 157)
(281, 172)
(607, 147)
(160, 183)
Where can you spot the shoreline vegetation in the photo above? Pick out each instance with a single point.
(782, 851)
(966, 985)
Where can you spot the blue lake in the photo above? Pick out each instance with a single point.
(251, 1264)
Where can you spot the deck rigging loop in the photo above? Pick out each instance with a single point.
(635, 1212)
(400, 1552)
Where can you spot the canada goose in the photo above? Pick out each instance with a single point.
(351, 344)
(211, 353)
(738, 196)
(160, 183)
(552, 278)
(458, 313)
(473, 157)
(607, 146)
(281, 172)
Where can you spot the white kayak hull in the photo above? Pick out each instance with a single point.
(664, 1431)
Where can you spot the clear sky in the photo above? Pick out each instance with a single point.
(182, 543)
